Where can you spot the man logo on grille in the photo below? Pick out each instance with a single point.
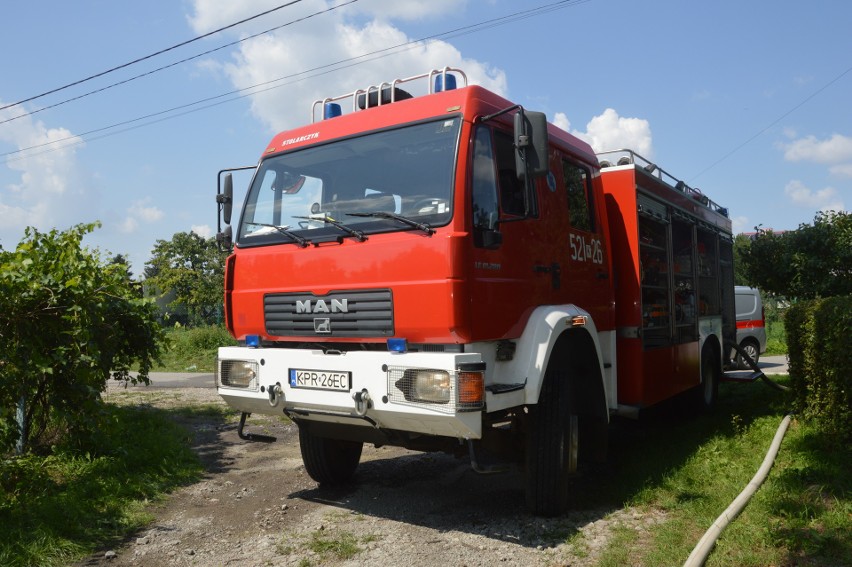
(322, 325)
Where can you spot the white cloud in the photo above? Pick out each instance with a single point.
(827, 199)
(609, 131)
(843, 170)
(45, 187)
(203, 230)
(140, 210)
(560, 119)
(334, 37)
(147, 213)
(834, 150)
(128, 225)
(208, 15)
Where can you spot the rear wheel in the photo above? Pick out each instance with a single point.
(330, 462)
(551, 451)
(708, 391)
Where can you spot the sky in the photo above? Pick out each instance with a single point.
(747, 101)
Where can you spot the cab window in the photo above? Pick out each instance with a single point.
(576, 180)
(511, 188)
(485, 211)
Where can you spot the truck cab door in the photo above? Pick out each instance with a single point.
(587, 280)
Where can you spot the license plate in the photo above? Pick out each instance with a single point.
(320, 379)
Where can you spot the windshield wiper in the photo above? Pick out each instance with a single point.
(301, 241)
(328, 220)
(404, 220)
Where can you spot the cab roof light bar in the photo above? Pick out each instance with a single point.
(438, 80)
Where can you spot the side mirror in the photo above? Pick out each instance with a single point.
(225, 238)
(227, 198)
(531, 143)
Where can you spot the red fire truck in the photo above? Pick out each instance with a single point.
(446, 271)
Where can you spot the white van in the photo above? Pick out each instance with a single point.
(751, 324)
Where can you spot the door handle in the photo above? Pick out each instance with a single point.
(555, 273)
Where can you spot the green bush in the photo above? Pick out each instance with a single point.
(821, 363)
(68, 320)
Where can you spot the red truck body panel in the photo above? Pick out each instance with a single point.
(649, 375)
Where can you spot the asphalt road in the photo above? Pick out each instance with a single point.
(773, 364)
(163, 380)
(768, 364)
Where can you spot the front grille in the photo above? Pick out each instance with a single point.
(364, 313)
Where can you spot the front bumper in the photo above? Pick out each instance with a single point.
(377, 395)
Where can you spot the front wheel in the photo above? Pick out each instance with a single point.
(330, 462)
(551, 451)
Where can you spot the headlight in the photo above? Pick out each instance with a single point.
(431, 386)
(460, 390)
(237, 374)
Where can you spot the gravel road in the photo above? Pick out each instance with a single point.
(256, 506)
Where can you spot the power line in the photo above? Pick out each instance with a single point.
(122, 66)
(300, 76)
(770, 125)
(176, 63)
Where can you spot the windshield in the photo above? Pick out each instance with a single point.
(398, 179)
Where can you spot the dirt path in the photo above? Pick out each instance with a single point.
(256, 506)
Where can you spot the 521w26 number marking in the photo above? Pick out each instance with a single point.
(583, 250)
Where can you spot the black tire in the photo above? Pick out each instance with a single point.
(330, 462)
(707, 393)
(752, 349)
(551, 447)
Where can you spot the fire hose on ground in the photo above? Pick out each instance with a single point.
(708, 540)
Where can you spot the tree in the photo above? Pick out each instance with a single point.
(741, 246)
(68, 320)
(121, 261)
(190, 270)
(807, 263)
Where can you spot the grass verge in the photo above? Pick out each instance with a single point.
(776, 338)
(193, 349)
(58, 508)
(690, 469)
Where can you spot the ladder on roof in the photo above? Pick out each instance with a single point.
(629, 157)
